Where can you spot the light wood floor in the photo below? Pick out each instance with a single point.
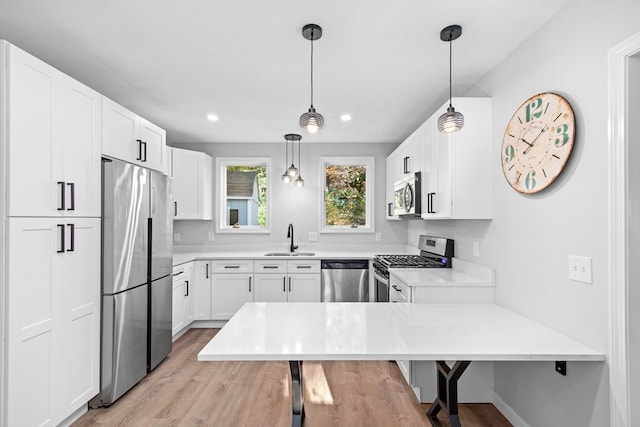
(185, 392)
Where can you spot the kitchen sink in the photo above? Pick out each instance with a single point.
(290, 254)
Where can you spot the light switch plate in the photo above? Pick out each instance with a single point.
(476, 249)
(313, 236)
(379, 236)
(580, 269)
(176, 237)
(212, 236)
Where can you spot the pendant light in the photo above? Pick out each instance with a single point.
(285, 176)
(292, 170)
(451, 121)
(311, 121)
(299, 182)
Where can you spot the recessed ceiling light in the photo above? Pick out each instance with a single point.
(212, 117)
(345, 117)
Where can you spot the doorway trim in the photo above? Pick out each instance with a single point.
(619, 384)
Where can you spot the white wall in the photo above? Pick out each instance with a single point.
(299, 206)
(530, 237)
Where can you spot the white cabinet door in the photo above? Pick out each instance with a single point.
(390, 164)
(53, 318)
(458, 181)
(202, 290)
(178, 315)
(154, 146)
(53, 142)
(304, 288)
(270, 287)
(129, 137)
(228, 293)
(192, 173)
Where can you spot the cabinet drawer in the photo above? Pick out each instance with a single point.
(232, 266)
(270, 266)
(303, 266)
(399, 292)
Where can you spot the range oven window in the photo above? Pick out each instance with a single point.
(381, 282)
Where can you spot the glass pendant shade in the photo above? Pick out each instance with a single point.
(311, 121)
(451, 121)
(299, 182)
(292, 171)
(285, 177)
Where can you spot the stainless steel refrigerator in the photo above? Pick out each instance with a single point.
(137, 229)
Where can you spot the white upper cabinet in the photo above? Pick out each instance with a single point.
(129, 137)
(52, 138)
(192, 173)
(458, 182)
(390, 195)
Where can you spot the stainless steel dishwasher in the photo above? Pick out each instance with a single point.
(345, 280)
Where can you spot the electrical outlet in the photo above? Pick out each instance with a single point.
(476, 249)
(176, 237)
(580, 269)
(379, 236)
(313, 236)
(212, 236)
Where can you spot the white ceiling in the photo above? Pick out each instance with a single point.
(175, 61)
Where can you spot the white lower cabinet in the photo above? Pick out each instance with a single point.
(292, 281)
(53, 318)
(183, 299)
(202, 290)
(231, 286)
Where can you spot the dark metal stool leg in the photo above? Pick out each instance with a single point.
(297, 399)
(447, 398)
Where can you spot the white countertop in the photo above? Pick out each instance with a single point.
(462, 273)
(379, 331)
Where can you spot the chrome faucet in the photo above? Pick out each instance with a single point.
(292, 247)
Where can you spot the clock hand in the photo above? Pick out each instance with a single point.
(529, 144)
(534, 139)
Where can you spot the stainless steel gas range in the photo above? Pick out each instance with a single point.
(435, 252)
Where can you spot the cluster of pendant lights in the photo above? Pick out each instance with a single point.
(292, 173)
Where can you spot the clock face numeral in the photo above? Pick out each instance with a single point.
(530, 180)
(533, 110)
(509, 153)
(537, 142)
(562, 130)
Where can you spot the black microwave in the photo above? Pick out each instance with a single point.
(407, 196)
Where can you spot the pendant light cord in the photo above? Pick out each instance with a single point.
(299, 162)
(312, 68)
(450, 68)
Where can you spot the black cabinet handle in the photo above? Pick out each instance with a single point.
(390, 209)
(139, 149)
(62, 191)
(231, 266)
(250, 283)
(72, 237)
(406, 164)
(269, 267)
(396, 288)
(186, 282)
(289, 284)
(72, 188)
(430, 203)
(175, 208)
(144, 143)
(284, 284)
(206, 274)
(62, 244)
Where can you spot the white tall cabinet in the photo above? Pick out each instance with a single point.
(50, 147)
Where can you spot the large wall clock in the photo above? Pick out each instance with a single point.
(537, 142)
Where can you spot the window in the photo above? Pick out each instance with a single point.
(244, 194)
(348, 194)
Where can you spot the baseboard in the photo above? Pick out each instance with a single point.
(75, 416)
(507, 411)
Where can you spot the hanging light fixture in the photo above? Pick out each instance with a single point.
(299, 182)
(451, 121)
(311, 121)
(292, 170)
(285, 176)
